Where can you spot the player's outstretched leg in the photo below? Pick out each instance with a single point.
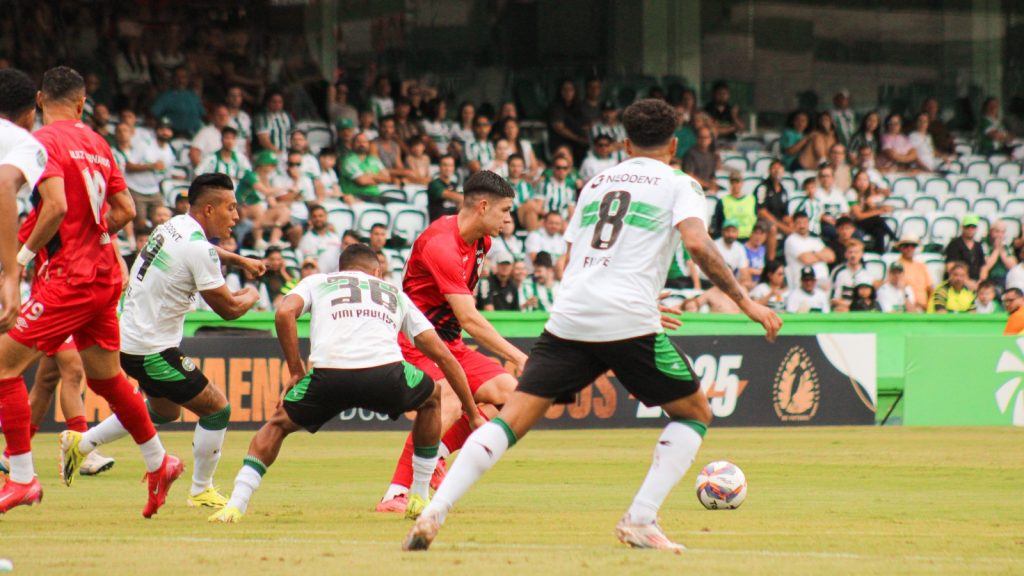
(104, 377)
(673, 455)
(426, 435)
(482, 450)
(263, 451)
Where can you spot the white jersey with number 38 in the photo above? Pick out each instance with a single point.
(623, 237)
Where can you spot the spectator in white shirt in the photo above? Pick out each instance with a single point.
(1015, 276)
(322, 241)
(804, 251)
(849, 275)
(733, 253)
(142, 167)
(228, 160)
(808, 297)
(299, 187)
(506, 244)
(208, 139)
(772, 291)
(548, 238)
(895, 295)
(921, 141)
(240, 119)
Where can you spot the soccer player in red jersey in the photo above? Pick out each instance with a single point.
(440, 278)
(80, 201)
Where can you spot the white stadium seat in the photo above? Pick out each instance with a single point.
(1014, 206)
(409, 223)
(1013, 226)
(979, 169)
(937, 186)
(1009, 170)
(997, 186)
(913, 224)
(984, 206)
(369, 214)
(937, 269)
(943, 228)
(925, 204)
(967, 187)
(342, 219)
(956, 205)
(905, 186)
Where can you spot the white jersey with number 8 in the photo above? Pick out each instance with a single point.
(623, 237)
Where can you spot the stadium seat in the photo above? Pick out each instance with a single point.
(985, 206)
(394, 194)
(790, 184)
(979, 169)
(875, 266)
(408, 224)
(734, 162)
(396, 262)
(997, 187)
(749, 183)
(914, 224)
(983, 228)
(955, 167)
(957, 206)
(794, 201)
(967, 187)
(943, 228)
(897, 202)
(760, 166)
(170, 189)
(342, 219)
(1009, 170)
(925, 204)
(905, 186)
(319, 138)
(893, 223)
(367, 215)
(963, 149)
(1014, 206)
(937, 186)
(936, 268)
(1019, 188)
(889, 257)
(1013, 226)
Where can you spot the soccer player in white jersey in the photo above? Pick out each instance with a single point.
(177, 262)
(22, 159)
(622, 238)
(355, 363)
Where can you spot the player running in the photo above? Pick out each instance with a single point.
(80, 201)
(441, 278)
(606, 317)
(177, 262)
(356, 363)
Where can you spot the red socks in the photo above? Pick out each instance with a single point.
(15, 415)
(76, 424)
(453, 440)
(126, 402)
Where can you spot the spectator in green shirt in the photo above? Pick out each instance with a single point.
(362, 173)
(443, 195)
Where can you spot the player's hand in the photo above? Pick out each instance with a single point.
(254, 267)
(475, 419)
(669, 320)
(763, 316)
(293, 379)
(10, 302)
(520, 362)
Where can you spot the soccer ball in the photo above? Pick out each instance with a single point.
(721, 485)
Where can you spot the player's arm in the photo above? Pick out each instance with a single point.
(11, 180)
(285, 321)
(704, 252)
(51, 213)
(122, 211)
(231, 305)
(464, 307)
(433, 347)
(253, 266)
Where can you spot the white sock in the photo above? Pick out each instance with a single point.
(22, 470)
(393, 491)
(422, 470)
(206, 445)
(482, 450)
(443, 451)
(153, 453)
(103, 433)
(247, 481)
(675, 451)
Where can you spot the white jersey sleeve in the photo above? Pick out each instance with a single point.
(689, 202)
(204, 263)
(414, 323)
(304, 290)
(21, 150)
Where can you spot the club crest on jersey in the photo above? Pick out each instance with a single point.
(187, 364)
(41, 158)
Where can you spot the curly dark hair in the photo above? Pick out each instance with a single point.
(17, 93)
(649, 123)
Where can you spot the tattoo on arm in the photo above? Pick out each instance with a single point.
(709, 260)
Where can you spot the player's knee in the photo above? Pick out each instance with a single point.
(217, 420)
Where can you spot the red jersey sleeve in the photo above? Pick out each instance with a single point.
(446, 267)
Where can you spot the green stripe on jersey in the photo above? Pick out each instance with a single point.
(668, 360)
(196, 236)
(159, 369)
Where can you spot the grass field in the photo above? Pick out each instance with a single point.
(836, 501)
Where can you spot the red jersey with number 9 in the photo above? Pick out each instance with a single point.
(81, 250)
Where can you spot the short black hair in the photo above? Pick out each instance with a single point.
(62, 83)
(271, 250)
(206, 183)
(448, 157)
(719, 84)
(315, 207)
(649, 123)
(327, 151)
(357, 256)
(377, 225)
(516, 157)
(486, 184)
(350, 234)
(1015, 291)
(296, 131)
(543, 259)
(228, 130)
(17, 93)
(800, 214)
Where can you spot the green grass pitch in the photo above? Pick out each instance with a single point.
(822, 500)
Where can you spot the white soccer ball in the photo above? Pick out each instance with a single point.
(721, 485)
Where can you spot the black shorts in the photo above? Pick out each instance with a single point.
(649, 367)
(321, 395)
(169, 374)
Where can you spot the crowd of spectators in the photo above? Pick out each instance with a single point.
(297, 147)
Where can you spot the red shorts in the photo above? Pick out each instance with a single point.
(57, 309)
(69, 344)
(478, 367)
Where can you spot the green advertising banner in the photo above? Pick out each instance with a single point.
(964, 381)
